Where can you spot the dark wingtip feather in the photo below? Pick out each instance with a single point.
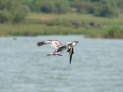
(71, 54)
(70, 58)
(40, 43)
(70, 62)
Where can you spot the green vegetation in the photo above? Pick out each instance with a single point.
(12, 11)
(65, 24)
(104, 8)
(92, 18)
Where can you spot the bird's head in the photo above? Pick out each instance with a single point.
(72, 43)
(75, 43)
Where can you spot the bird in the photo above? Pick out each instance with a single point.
(60, 47)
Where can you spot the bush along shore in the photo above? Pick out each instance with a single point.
(65, 24)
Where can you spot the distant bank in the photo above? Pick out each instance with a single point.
(65, 24)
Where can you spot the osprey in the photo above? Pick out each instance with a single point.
(59, 47)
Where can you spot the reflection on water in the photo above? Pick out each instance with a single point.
(97, 66)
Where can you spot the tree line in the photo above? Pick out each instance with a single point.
(16, 10)
(12, 11)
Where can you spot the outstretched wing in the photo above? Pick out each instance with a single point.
(54, 43)
(71, 52)
(60, 49)
(41, 43)
(54, 54)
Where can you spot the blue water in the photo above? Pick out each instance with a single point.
(97, 66)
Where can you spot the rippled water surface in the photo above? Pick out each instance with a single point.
(97, 66)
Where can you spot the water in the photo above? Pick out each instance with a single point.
(97, 66)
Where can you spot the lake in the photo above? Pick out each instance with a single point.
(97, 65)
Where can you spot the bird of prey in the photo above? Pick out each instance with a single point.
(59, 47)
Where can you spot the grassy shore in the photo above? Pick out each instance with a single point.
(65, 24)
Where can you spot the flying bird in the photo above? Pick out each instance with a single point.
(59, 47)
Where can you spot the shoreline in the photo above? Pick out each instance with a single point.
(65, 24)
